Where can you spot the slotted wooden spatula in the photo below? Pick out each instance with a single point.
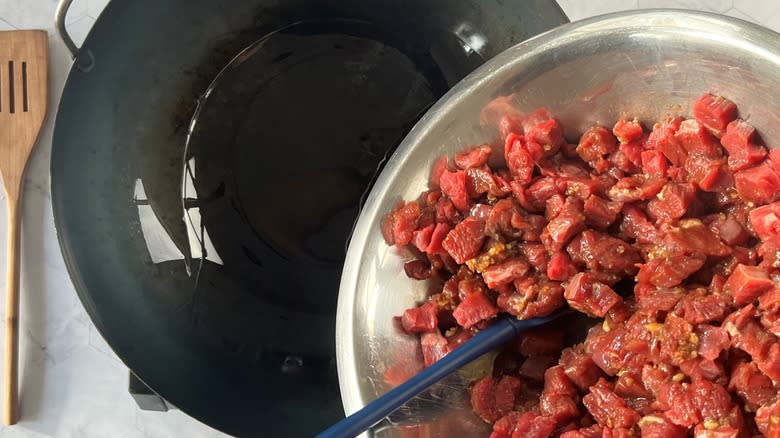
(23, 98)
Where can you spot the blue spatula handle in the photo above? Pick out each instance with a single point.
(501, 331)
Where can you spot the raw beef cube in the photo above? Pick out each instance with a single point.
(714, 112)
(398, 227)
(465, 241)
(740, 142)
(758, 184)
(420, 319)
(504, 272)
(589, 296)
(654, 162)
(747, 283)
(434, 347)
(561, 268)
(453, 184)
(766, 220)
(473, 309)
(473, 157)
(595, 143)
(696, 139)
(607, 408)
(672, 202)
(627, 131)
(751, 385)
(601, 213)
(766, 419)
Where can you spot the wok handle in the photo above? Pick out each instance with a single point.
(59, 23)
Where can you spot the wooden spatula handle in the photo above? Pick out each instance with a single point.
(11, 353)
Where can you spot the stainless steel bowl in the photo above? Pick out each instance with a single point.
(638, 64)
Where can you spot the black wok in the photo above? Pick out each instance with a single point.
(205, 231)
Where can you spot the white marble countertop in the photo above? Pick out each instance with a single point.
(72, 383)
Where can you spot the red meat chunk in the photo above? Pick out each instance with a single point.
(398, 227)
(483, 399)
(418, 269)
(669, 272)
(769, 252)
(768, 419)
(594, 431)
(446, 211)
(518, 158)
(636, 188)
(657, 425)
(595, 143)
(770, 301)
(629, 385)
(751, 385)
(701, 431)
(654, 162)
(662, 139)
(758, 184)
(434, 347)
(700, 400)
(709, 174)
(473, 157)
(770, 363)
(766, 221)
(729, 229)
(505, 272)
(473, 309)
(522, 425)
(558, 397)
(652, 298)
(603, 253)
(635, 225)
(580, 369)
(562, 228)
(453, 184)
(747, 283)
(465, 241)
(607, 408)
(589, 296)
(438, 235)
(420, 319)
(628, 157)
(696, 139)
(714, 112)
(600, 213)
(480, 181)
(691, 236)
(627, 131)
(741, 143)
(672, 202)
(561, 268)
(548, 134)
(421, 238)
(751, 338)
(678, 341)
(712, 341)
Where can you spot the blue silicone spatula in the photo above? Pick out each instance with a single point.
(501, 331)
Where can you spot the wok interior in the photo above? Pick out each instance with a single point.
(205, 234)
(645, 65)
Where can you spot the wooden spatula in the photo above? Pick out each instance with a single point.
(23, 98)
